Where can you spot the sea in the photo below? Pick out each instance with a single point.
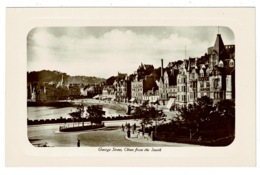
(45, 112)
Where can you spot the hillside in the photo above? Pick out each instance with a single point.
(48, 76)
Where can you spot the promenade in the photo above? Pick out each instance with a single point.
(109, 136)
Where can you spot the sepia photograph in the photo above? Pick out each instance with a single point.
(152, 86)
(130, 87)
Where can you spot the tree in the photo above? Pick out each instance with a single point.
(141, 113)
(157, 116)
(188, 117)
(193, 116)
(226, 109)
(95, 114)
(205, 107)
(77, 115)
(148, 115)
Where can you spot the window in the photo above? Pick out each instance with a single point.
(201, 72)
(216, 83)
(231, 63)
(191, 95)
(201, 85)
(220, 64)
(216, 95)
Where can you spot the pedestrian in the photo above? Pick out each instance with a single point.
(152, 136)
(78, 143)
(123, 127)
(128, 133)
(134, 126)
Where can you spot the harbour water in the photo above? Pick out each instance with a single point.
(49, 133)
(46, 112)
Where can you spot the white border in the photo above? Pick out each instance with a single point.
(21, 21)
(56, 3)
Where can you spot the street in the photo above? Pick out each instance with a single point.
(110, 135)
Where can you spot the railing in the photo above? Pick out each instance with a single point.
(70, 120)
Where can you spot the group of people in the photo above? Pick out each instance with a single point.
(127, 126)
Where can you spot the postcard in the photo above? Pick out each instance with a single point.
(130, 86)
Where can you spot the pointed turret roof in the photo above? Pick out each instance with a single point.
(219, 44)
(219, 47)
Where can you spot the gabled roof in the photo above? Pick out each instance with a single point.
(203, 59)
(147, 66)
(179, 62)
(171, 64)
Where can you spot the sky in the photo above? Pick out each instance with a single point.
(105, 51)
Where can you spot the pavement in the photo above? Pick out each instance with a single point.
(111, 135)
(147, 140)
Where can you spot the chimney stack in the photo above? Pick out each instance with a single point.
(162, 70)
(161, 67)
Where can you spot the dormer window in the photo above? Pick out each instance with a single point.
(220, 64)
(183, 71)
(208, 71)
(231, 63)
(201, 73)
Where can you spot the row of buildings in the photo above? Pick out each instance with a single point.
(59, 91)
(180, 82)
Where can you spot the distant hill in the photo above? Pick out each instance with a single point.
(47, 76)
(85, 80)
